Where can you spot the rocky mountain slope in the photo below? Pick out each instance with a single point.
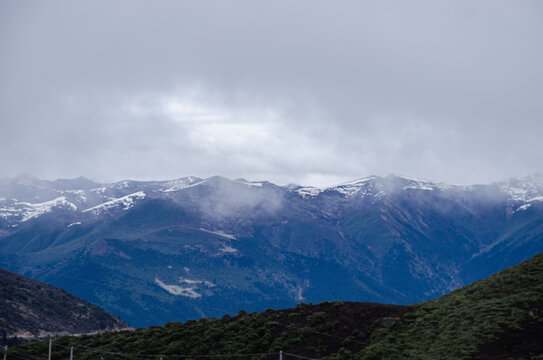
(30, 309)
(159, 251)
(500, 317)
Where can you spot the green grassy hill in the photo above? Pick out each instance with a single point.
(500, 317)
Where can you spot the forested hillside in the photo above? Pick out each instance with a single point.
(500, 317)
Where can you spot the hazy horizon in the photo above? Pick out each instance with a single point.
(23, 175)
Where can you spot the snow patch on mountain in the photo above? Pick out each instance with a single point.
(250, 183)
(310, 191)
(125, 202)
(100, 190)
(178, 290)
(30, 210)
(517, 193)
(180, 184)
(529, 203)
(196, 282)
(415, 184)
(220, 233)
(228, 249)
(24, 211)
(9, 212)
(349, 189)
(418, 187)
(423, 184)
(376, 187)
(527, 189)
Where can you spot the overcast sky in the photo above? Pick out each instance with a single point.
(309, 92)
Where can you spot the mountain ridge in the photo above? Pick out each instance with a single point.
(386, 239)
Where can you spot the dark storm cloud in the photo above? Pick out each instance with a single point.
(290, 91)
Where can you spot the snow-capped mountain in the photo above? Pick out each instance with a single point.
(237, 244)
(124, 203)
(524, 192)
(376, 186)
(78, 195)
(102, 198)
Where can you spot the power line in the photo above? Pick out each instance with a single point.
(299, 356)
(138, 356)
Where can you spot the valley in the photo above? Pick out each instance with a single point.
(500, 317)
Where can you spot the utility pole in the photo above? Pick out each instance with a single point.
(281, 355)
(50, 344)
(5, 352)
(72, 353)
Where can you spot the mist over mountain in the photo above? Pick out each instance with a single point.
(157, 251)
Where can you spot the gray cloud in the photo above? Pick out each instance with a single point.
(307, 92)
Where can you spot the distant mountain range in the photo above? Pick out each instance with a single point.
(31, 309)
(157, 251)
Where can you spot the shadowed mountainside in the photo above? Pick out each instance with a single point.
(500, 317)
(29, 308)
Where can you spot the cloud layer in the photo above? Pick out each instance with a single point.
(306, 92)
